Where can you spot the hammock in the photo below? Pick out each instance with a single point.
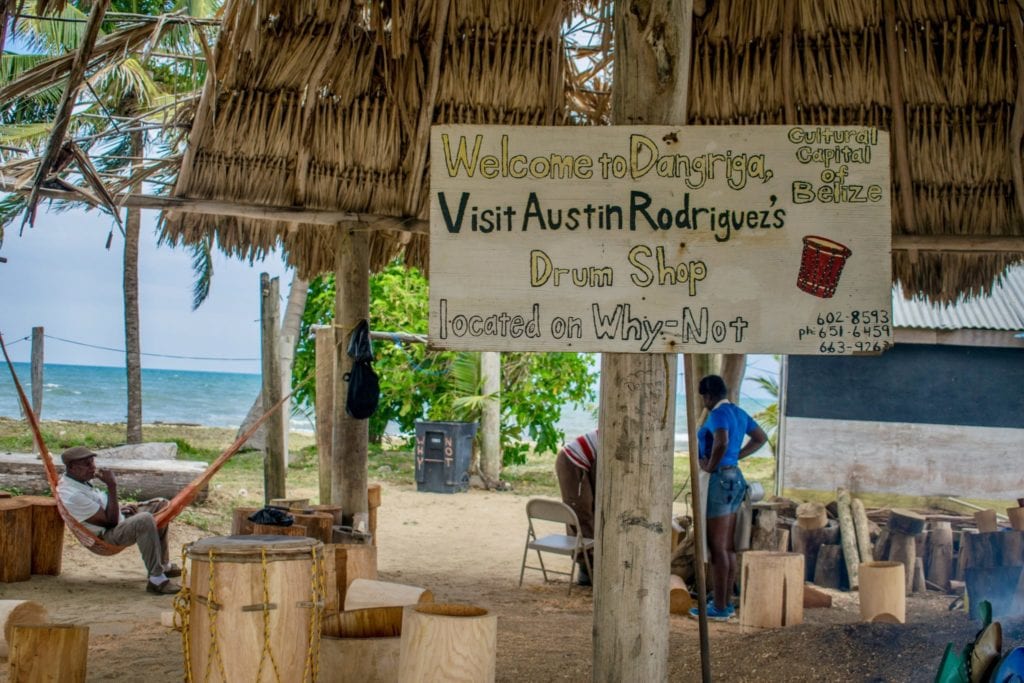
(86, 537)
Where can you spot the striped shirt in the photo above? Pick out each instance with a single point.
(582, 451)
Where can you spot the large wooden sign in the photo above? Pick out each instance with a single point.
(761, 239)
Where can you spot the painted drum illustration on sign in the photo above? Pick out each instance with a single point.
(821, 264)
(660, 239)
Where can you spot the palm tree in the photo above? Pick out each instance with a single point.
(126, 91)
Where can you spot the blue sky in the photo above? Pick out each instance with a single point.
(59, 275)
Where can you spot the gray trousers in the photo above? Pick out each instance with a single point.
(141, 529)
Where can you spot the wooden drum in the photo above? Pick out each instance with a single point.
(254, 605)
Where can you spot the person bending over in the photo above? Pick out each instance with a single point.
(576, 468)
(119, 525)
(720, 446)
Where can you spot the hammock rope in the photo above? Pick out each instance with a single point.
(182, 500)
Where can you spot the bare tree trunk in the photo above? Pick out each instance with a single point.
(733, 367)
(132, 342)
(634, 472)
(490, 420)
(351, 436)
(289, 336)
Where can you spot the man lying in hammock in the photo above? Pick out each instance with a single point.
(119, 525)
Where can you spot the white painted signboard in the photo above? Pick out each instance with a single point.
(707, 239)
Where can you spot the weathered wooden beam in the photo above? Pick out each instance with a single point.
(274, 485)
(959, 243)
(289, 214)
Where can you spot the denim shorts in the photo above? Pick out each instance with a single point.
(726, 489)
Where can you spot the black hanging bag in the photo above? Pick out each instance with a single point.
(363, 384)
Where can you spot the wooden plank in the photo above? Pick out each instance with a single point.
(325, 361)
(275, 463)
(891, 466)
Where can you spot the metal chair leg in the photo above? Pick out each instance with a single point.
(544, 571)
(522, 569)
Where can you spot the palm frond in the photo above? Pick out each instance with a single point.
(202, 268)
(12, 64)
(25, 133)
(52, 36)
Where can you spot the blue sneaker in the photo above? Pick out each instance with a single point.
(714, 614)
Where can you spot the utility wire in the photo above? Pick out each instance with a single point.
(151, 355)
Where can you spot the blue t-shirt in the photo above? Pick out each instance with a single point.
(737, 424)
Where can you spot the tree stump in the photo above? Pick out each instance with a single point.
(903, 549)
(773, 590)
(811, 516)
(48, 652)
(808, 541)
(940, 555)
(16, 613)
(827, 570)
(763, 534)
(274, 530)
(318, 524)
(679, 600)
(15, 540)
(47, 535)
(906, 522)
(333, 510)
(240, 524)
(986, 521)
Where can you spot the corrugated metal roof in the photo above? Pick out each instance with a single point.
(1002, 310)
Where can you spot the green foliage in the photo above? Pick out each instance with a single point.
(769, 417)
(418, 384)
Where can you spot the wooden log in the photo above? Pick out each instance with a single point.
(783, 540)
(1016, 517)
(446, 642)
(343, 564)
(144, 478)
(764, 536)
(862, 529)
(883, 591)
(333, 510)
(362, 646)
(289, 503)
(808, 541)
(344, 535)
(986, 521)
(240, 524)
(827, 571)
(939, 567)
(815, 598)
(678, 533)
(918, 582)
(275, 461)
(318, 524)
(848, 535)
(364, 593)
(773, 590)
(15, 540)
(811, 516)
(963, 554)
(6, 494)
(47, 535)
(274, 530)
(679, 600)
(903, 549)
(906, 522)
(16, 613)
(48, 652)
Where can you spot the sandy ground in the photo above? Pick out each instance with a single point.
(467, 548)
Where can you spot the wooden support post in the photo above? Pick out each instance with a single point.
(274, 459)
(37, 371)
(634, 480)
(48, 652)
(351, 436)
(325, 407)
(490, 418)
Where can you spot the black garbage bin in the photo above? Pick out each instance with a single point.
(443, 453)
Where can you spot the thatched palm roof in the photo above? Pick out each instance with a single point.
(327, 105)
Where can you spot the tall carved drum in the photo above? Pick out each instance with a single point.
(252, 609)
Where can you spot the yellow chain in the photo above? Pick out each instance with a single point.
(267, 649)
(211, 608)
(181, 608)
(317, 580)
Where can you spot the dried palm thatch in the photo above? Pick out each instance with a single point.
(327, 105)
(946, 78)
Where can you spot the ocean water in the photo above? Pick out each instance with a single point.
(222, 399)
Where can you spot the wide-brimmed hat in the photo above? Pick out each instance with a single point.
(76, 453)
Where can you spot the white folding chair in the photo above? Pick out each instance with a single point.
(561, 544)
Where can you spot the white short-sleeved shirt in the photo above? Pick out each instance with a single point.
(83, 501)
